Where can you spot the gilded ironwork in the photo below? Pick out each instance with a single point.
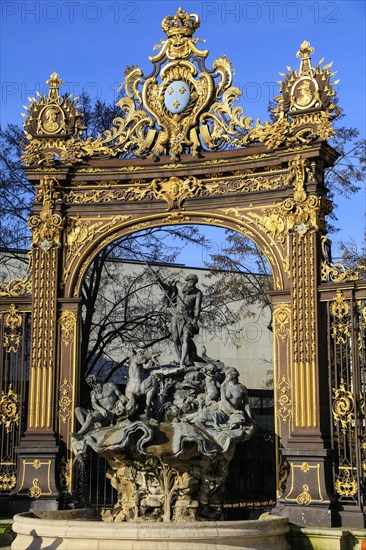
(346, 483)
(19, 286)
(334, 272)
(343, 406)
(341, 323)
(9, 408)
(173, 191)
(53, 128)
(299, 214)
(65, 401)
(67, 322)
(8, 477)
(183, 107)
(305, 107)
(13, 321)
(7, 481)
(47, 226)
(176, 189)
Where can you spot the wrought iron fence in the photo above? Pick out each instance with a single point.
(346, 322)
(14, 377)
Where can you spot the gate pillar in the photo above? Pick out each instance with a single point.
(306, 465)
(38, 449)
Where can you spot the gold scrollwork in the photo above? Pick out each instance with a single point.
(334, 272)
(299, 474)
(341, 323)
(9, 408)
(182, 108)
(35, 491)
(176, 217)
(299, 214)
(173, 191)
(284, 399)
(20, 286)
(12, 329)
(343, 406)
(65, 401)
(304, 498)
(346, 483)
(67, 322)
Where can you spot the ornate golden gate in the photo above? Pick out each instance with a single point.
(181, 153)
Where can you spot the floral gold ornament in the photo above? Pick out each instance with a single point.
(346, 483)
(9, 408)
(13, 321)
(65, 401)
(284, 410)
(341, 323)
(8, 477)
(304, 497)
(36, 464)
(343, 406)
(7, 481)
(281, 316)
(67, 322)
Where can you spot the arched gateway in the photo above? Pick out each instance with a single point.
(182, 153)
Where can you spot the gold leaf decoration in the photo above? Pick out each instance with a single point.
(12, 329)
(9, 408)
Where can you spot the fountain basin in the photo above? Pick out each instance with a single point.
(35, 533)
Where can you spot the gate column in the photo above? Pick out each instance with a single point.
(38, 448)
(308, 496)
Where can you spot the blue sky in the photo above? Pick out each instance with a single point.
(89, 43)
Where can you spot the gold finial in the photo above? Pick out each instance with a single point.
(54, 82)
(182, 23)
(304, 54)
(305, 50)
